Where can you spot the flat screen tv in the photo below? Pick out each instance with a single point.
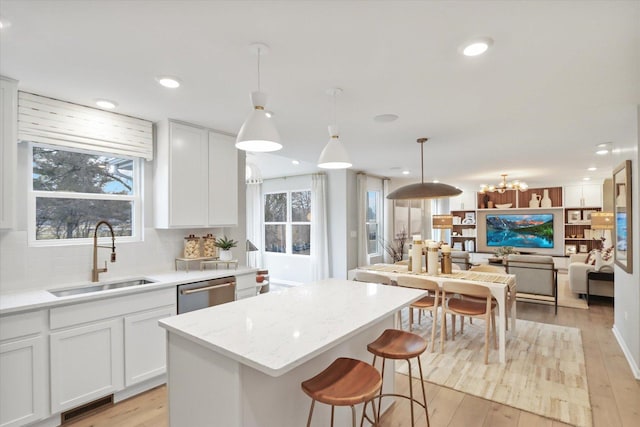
(520, 231)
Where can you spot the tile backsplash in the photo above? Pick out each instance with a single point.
(24, 268)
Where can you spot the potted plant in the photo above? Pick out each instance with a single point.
(504, 251)
(225, 246)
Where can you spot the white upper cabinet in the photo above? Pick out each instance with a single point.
(8, 150)
(587, 195)
(464, 201)
(195, 177)
(223, 180)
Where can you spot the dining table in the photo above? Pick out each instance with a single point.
(501, 285)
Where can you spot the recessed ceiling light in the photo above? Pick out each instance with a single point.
(602, 152)
(295, 162)
(435, 181)
(603, 145)
(168, 81)
(105, 103)
(477, 46)
(405, 172)
(385, 118)
(591, 169)
(586, 178)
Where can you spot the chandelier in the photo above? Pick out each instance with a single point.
(504, 186)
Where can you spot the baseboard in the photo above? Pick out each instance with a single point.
(139, 388)
(632, 364)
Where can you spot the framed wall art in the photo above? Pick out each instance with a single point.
(622, 209)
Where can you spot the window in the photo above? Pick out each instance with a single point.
(373, 222)
(407, 216)
(287, 222)
(71, 191)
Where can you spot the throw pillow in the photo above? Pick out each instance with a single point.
(591, 258)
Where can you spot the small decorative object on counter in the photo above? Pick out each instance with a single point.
(432, 259)
(209, 248)
(226, 245)
(191, 246)
(416, 255)
(445, 263)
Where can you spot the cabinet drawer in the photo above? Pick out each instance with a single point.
(76, 314)
(19, 325)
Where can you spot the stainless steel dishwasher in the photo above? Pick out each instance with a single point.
(198, 295)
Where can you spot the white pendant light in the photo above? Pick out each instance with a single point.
(258, 133)
(334, 155)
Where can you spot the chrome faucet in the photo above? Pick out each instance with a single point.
(96, 271)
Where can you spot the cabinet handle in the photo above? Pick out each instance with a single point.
(205, 288)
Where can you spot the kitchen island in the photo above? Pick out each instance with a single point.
(241, 363)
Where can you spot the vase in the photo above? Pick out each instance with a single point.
(546, 201)
(535, 201)
(226, 255)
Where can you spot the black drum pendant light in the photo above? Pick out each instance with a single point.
(424, 190)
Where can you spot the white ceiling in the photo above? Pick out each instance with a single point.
(562, 76)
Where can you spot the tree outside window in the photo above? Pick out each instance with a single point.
(72, 191)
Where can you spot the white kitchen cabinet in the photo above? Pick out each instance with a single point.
(223, 180)
(464, 201)
(86, 363)
(246, 286)
(8, 150)
(145, 345)
(580, 196)
(23, 369)
(195, 177)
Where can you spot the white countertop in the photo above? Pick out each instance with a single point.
(15, 302)
(278, 331)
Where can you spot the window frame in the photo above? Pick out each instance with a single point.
(377, 222)
(136, 198)
(289, 223)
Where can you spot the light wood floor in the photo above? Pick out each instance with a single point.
(614, 393)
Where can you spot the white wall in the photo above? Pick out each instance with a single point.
(287, 268)
(627, 286)
(30, 268)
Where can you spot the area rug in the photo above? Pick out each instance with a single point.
(544, 374)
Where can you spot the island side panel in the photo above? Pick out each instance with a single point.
(203, 386)
(279, 401)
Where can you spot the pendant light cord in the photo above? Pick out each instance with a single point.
(259, 51)
(422, 160)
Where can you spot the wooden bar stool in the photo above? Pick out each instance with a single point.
(397, 344)
(346, 382)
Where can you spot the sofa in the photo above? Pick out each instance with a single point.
(578, 270)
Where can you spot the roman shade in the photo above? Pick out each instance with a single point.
(50, 121)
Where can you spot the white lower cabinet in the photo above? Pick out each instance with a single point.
(86, 363)
(246, 286)
(145, 345)
(22, 381)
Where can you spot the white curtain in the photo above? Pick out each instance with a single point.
(361, 189)
(387, 223)
(254, 223)
(319, 240)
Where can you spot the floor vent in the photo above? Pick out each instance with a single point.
(86, 409)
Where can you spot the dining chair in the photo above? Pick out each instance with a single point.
(467, 307)
(369, 277)
(429, 303)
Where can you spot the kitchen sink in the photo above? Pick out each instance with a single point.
(99, 287)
